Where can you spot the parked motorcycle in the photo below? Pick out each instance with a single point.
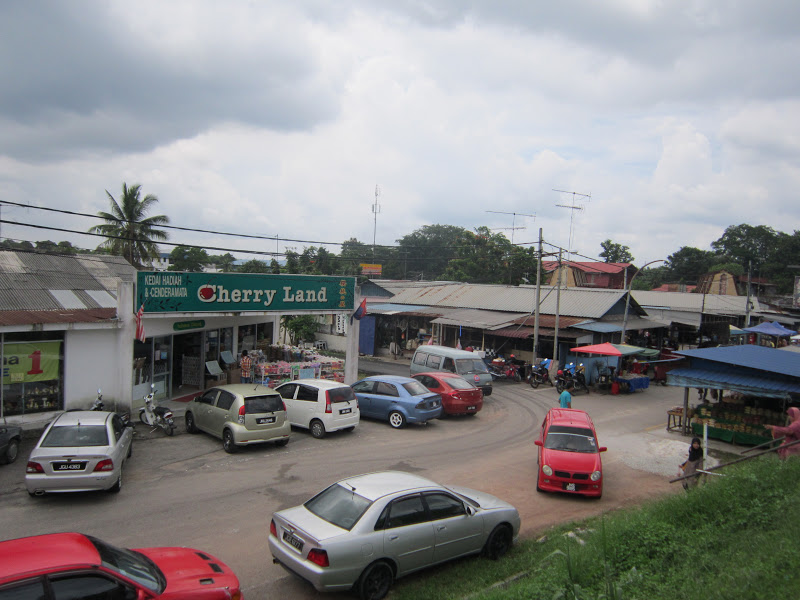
(580, 378)
(156, 416)
(505, 369)
(100, 405)
(572, 374)
(541, 374)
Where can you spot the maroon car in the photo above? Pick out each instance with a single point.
(459, 396)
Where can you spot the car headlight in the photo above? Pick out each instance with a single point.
(547, 470)
(596, 476)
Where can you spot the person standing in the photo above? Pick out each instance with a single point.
(565, 399)
(790, 433)
(246, 363)
(693, 463)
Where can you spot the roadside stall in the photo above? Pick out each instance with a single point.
(739, 390)
(618, 377)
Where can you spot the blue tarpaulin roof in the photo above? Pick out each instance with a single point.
(773, 328)
(752, 370)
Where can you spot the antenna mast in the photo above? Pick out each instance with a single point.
(573, 207)
(376, 208)
(513, 220)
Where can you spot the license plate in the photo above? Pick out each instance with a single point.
(292, 540)
(345, 411)
(570, 487)
(470, 408)
(69, 466)
(265, 420)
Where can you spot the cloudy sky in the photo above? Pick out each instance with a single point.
(280, 118)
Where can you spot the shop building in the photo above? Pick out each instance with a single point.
(68, 327)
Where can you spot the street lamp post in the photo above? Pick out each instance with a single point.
(628, 297)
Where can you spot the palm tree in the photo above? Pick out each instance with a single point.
(130, 233)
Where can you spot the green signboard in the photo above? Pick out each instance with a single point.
(184, 325)
(28, 362)
(167, 291)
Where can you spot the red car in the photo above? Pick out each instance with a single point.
(459, 396)
(73, 565)
(569, 455)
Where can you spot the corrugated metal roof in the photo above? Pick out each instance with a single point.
(574, 302)
(481, 319)
(26, 279)
(548, 321)
(690, 302)
(758, 358)
(730, 380)
(387, 308)
(515, 331)
(589, 267)
(36, 317)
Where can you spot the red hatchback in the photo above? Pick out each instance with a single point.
(459, 396)
(73, 565)
(569, 456)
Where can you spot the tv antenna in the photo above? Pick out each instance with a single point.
(376, 208)
(513, 221)
(573, 208)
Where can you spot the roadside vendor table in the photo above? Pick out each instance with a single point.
(728, 435)
(675, 419)
(633, 382)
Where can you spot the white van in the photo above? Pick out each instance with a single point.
(320, 405)
(441, 358)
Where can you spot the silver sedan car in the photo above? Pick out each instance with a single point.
(79, 451)
(365, 531)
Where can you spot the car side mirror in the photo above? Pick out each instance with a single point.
(602, 449)
(470, 510)
(538, 443)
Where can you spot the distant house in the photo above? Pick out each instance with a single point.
(610, 276)
(674, 287)
(721, 283)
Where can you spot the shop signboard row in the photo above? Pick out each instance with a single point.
(163, 292)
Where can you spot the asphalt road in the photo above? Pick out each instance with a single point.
(186, 491)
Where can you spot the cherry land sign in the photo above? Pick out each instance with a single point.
(167, 291)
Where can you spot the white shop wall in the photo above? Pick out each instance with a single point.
(90, 362)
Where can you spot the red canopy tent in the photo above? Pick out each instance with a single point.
(609, 349)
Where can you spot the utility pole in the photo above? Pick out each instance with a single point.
(538, 300)
(747, 308)
(376, 208)
(558, 310)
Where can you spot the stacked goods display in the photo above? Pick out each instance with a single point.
(738, 419)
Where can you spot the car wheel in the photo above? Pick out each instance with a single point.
(114, 489)
(375, 581)
(538, 489)
(499, 542)
(396, 419)
(282, 443)
(317, 429)
(11, 453)
(227, 442)
(190, 426)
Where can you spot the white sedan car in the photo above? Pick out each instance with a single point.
(365, 531)
(79, 451)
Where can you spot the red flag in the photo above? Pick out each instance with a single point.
(360, 311)
(139, 325)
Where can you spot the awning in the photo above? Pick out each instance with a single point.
(478, 319)
(633, 324)
(750, 385)
(514, 331)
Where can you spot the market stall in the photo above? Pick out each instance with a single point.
(276, 364)
(741, 389)
(624, 380)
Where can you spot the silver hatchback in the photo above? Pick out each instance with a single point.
(240, 414)
(80, 451)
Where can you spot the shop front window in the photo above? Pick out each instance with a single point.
(162, 366)
(212, 345)
(32, 377)
(247, 337)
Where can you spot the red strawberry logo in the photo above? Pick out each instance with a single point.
(206, 293)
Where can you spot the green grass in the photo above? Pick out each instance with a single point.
(734, 537)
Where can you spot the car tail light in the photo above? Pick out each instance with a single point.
(241, 415)
(283, 404)
(34, 467)
(105, 465)
(328, 407)
(318, 557)
(237, 595)
(272, 529)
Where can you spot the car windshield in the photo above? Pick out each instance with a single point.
(341, 394)
(415, 388)
(132, 565)
(571, 439)
(262, 404)
(470, 365)
(459, 383)
(73, 436)
(339, 505)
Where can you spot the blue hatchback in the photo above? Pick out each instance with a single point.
(399, 400)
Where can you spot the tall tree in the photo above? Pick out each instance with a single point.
(254, 266)
(688, 264)
(188, 259)
(130, 232)
(427, 251)
(223, 262)
(615, 253)
(747, 244)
